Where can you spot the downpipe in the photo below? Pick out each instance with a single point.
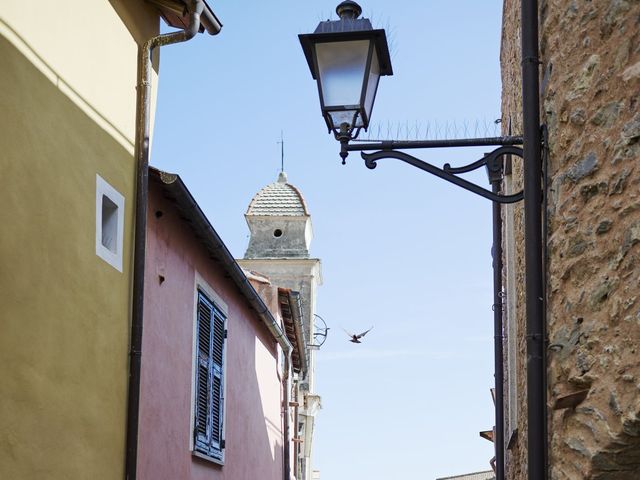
(286, 447)
(142, 191)
(533, 195)
(497, 331)
(296, 421)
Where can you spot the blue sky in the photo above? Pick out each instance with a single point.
(400, 249)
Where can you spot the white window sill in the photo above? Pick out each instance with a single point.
(217, 461)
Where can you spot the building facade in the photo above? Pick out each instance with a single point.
(590, 91)
(213, 378)
(70, 139)
(67, 135)
(281, 233)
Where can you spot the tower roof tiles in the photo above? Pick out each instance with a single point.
(278, 199)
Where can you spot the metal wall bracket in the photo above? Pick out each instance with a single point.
(491, 160)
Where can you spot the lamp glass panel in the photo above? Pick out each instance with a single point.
(344, 116)
(372, 83)
(341, 66)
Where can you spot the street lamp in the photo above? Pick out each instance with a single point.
(346, 58)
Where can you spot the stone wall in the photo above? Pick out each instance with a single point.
(590, 83)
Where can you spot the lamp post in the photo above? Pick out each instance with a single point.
(347, 57)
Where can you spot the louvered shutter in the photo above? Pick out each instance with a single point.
(217, 401)
(209, 379)
(203, 376)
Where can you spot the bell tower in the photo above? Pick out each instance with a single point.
(279, 222)
(281, 234)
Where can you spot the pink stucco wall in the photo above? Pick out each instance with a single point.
(253, 422)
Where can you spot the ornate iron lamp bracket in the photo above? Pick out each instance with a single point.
(492, 161)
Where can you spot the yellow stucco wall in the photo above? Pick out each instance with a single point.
(89, 49)
(67, 113)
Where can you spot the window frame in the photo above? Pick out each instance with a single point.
(112, 257)
(209, 452)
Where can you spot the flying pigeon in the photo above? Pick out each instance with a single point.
(356, 338)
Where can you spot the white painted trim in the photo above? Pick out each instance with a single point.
(104, 189)
(201, 284)
(207, 457)
(211, 293)
(194, 348)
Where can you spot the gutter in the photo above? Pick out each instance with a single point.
(194, 215)
(173, 12)
(195, 9)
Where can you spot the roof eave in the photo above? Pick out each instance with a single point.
(175, 190)
(296, 338)
(176, 14)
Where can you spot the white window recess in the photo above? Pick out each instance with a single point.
(109, 223)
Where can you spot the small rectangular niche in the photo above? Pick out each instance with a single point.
(109, 223)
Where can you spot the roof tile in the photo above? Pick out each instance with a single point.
(278, 199)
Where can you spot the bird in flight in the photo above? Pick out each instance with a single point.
(356, 338)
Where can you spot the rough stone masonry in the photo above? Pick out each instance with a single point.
(590, 94)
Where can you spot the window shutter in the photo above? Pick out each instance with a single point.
(209, 379)
(203, 376)
(217, 403)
